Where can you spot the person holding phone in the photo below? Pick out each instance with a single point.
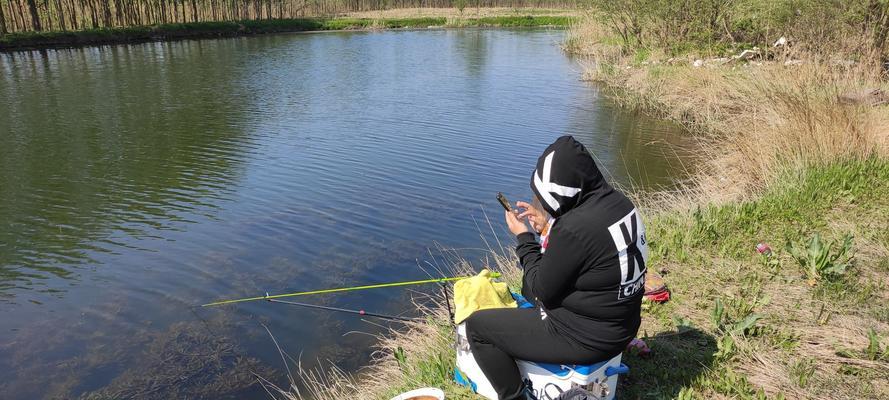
(586, 277)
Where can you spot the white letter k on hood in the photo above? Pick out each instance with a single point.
(546, 188)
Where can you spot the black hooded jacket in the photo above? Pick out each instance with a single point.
(590, 280)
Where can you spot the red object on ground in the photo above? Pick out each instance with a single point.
(658, 297)
(639, 347)
(655, 288)
(763, 248)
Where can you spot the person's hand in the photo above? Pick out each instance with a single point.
(516, 225)
(535, 217)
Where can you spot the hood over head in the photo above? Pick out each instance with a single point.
(566, 176)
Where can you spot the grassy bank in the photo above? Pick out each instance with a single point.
(795, 138)
(32, 40)
(786, 325)
(740, 325)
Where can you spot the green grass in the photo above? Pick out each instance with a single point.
(734, 311)
(434, 369)
(733, 307)
(525, 21)
(809, 320)
(28, 40)
(801, 205)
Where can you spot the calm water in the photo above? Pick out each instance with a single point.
(137, 181)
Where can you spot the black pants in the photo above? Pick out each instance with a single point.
(499, 336)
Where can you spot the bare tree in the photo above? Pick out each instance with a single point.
(2, 21)
(35, 16)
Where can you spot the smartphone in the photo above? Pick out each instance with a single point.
(503, 202)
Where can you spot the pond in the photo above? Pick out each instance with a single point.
(137, 181)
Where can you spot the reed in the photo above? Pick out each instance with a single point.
(755, 119)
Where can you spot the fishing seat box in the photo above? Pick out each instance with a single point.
(547, 380)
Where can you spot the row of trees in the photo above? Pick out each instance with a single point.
(62, 15)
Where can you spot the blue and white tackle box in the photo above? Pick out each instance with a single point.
(547, 380)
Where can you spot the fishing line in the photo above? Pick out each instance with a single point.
(346, 310)
(345, 289)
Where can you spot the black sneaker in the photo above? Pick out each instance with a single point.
(528, 390)
(576, 394)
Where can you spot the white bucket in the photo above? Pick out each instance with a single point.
(435, 393)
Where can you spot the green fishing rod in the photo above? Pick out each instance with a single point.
(345, 289)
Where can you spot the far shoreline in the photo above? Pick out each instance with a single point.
(29, 41)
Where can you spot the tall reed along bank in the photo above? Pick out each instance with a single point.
(32, 24)
(777, 251)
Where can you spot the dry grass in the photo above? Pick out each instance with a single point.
(411, 356)
(756, 120)
(767, 129)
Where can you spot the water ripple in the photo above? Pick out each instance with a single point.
(137, 180)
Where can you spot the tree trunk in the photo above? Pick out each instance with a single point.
(2, 21)
(72, 11)
(119, 14)
(149, 14)
(106, 12)
(17, 18)
(35, 17)
(163, 18)
(94, 13)
(61, 15)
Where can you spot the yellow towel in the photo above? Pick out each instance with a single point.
(480, 293)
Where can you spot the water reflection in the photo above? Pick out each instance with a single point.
(103, 146)
(137, 181)
(638, 152)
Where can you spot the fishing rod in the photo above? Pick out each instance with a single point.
(345, 289)
(346, 310)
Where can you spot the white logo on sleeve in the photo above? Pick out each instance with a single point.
(546, 187)
(632, 250)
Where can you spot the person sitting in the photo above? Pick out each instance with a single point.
(586, 277)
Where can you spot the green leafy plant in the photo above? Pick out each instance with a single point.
(821, 260)
(725, 348)
(400, 357)
(717, 316)
(737, 318)
(746, 325)
(686, 393)
(874, 350)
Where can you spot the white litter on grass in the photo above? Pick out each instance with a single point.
(435, 393)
